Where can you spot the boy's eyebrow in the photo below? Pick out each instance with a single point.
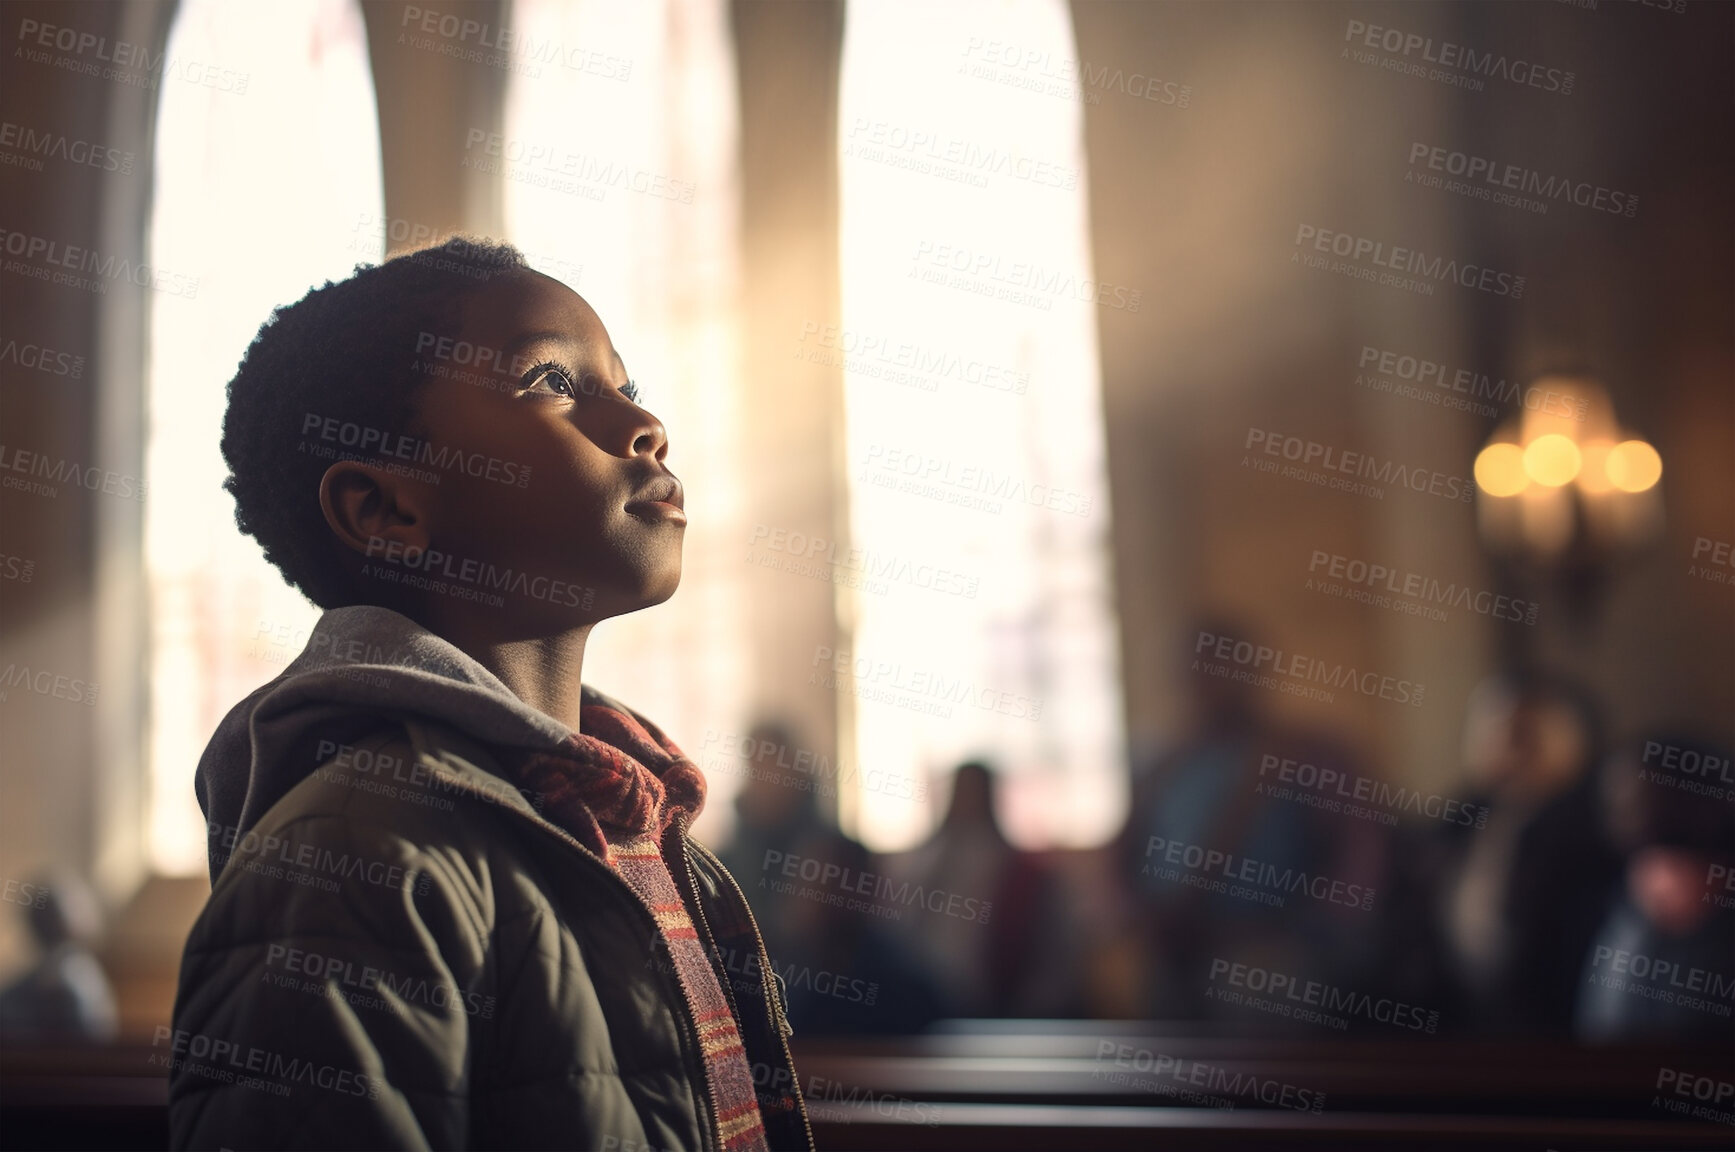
(540, 336)
(552, 335)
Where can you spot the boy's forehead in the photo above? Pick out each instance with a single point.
(525, 304)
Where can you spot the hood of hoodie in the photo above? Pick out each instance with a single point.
(361, 663)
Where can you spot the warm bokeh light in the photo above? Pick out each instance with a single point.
(1500, 470)
(1552, 460)
(1634, 466)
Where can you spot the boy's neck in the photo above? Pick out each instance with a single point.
(546, 672)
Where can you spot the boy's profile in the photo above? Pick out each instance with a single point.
(454, 903)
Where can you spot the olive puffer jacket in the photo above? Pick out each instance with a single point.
(400, 951)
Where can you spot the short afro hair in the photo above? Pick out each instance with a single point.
(346, 350)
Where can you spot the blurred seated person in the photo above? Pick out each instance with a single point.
(777, 811)
(1669, 800)
(1524, 895)
(841, 970)
(1003, 946)
(65, 995)
(1207, 792)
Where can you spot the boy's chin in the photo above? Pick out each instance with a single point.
(653, 589)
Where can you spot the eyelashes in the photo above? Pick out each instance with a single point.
(569, 378)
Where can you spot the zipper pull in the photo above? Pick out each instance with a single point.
(782, 1004)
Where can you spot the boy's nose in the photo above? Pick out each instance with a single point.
(650, 436)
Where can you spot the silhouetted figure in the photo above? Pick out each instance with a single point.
(1216, 791)
(65, 995)
(995, 934)
(1662, 963)
(1524, 894)
(812, 889)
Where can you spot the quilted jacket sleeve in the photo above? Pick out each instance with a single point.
(327, 992)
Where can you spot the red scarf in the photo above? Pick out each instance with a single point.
(599, 788)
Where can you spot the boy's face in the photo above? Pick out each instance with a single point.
(563, 479)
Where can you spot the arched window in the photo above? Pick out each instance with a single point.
(978, 492)
(621, 178)
(261, 193)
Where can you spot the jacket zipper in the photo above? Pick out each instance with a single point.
(685, 1015)
(764, 966)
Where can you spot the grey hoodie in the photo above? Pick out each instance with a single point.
(360, 663)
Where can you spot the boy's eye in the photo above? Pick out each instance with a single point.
(560, 380)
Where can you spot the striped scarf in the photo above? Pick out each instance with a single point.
(599, 789)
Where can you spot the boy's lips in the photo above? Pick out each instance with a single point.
(662, 499)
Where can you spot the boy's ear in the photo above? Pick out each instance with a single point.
(370, 508)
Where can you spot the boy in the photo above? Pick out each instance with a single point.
(454, 903)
